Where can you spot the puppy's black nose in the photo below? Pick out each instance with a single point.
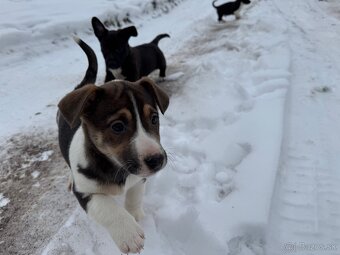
(154, 162)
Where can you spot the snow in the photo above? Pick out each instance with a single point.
(35, 174)
(3, 200)
(44, 156)
(251, 131)
(305, 208)
(36, 185)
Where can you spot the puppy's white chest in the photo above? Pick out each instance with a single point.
(117, 73)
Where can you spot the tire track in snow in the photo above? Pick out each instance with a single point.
(305, 216)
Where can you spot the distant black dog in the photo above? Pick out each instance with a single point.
(125, 62)
(231, 8)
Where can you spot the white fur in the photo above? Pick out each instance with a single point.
(237, 13)
(78, 158)
(131, 181)
(77, 150)
(144, 143)
(134, 199)
(122, 227)
(117, 73)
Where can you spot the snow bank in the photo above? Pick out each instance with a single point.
(29, 22)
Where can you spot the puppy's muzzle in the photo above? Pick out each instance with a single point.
(154, 162)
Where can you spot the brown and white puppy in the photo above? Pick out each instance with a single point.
(109, 136)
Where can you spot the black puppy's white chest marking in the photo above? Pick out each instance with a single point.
(238, 11)
(117, 73)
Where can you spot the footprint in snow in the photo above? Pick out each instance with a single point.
(247, 244)
(321, 89)
(225, 184)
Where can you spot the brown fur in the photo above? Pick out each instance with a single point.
(99, 106)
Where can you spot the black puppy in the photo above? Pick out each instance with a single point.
(231, 8)
(125, 62)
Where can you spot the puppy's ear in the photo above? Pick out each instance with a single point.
(161, 98)
(73, 105)
(98, 28)
(129, 31)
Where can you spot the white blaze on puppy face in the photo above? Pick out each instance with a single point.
(145, 144)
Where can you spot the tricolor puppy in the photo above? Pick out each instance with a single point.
(109, 136)
(123, 61)
(231, 8)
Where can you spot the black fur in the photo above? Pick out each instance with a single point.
(82, 198)
(228, 8)
(103, 170)
(135, 62)
(92, 70)
(66, 133)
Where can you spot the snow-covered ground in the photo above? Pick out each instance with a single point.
(251, 131)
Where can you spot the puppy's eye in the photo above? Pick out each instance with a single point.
(118, 127)
(154, 119)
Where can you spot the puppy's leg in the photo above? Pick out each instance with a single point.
(134, 200)
(220, 15)
(122, 227)
(109, 76)
(162, 66)
(237, 14)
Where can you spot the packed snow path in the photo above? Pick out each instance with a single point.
(305, 217)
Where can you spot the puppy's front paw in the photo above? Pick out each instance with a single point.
(128, 236)
(138, 214)
(161, 79)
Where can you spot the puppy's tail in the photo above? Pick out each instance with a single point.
(158, 38)
(213, 3)
(92, 69)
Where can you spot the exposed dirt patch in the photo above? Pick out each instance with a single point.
(33, 176)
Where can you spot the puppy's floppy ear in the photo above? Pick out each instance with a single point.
(72, 106)
(161, 98)
(98, 27)
(129, 31)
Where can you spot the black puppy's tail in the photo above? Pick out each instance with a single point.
(92, 69)
(213, 3)
(158, 38)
